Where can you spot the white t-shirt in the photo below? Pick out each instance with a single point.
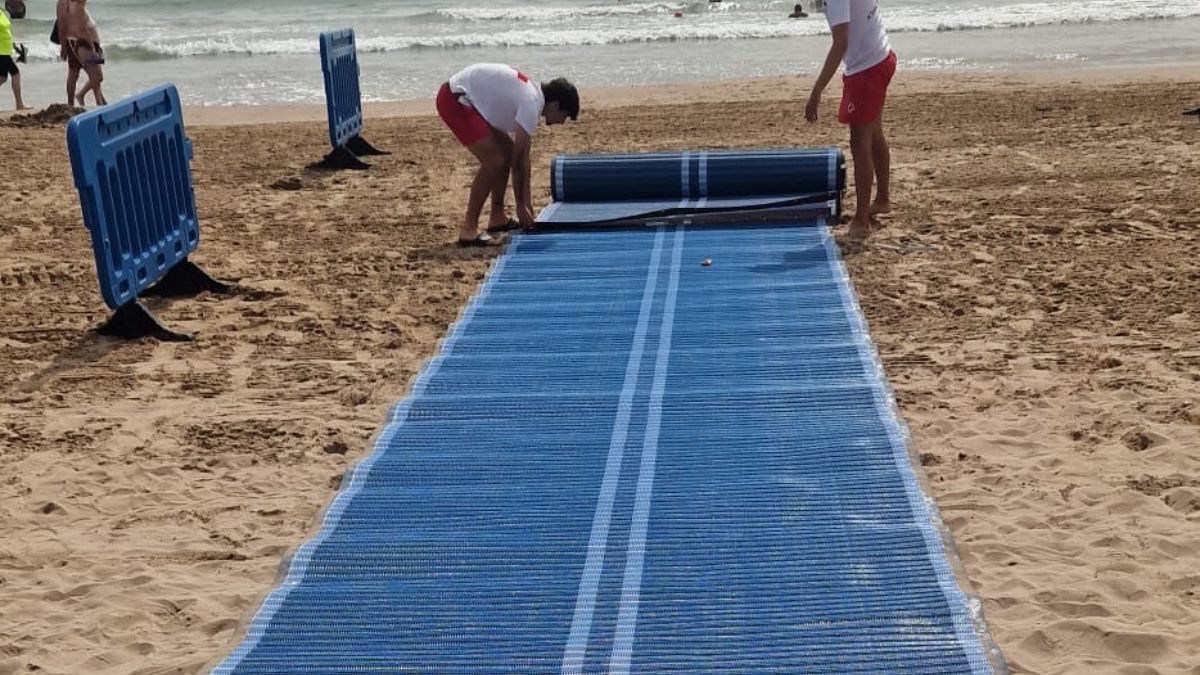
(868, 41)
(506, 97)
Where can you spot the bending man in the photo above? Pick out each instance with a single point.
(861, 42)
(493, 110)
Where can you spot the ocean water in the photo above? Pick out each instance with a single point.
(222, 52)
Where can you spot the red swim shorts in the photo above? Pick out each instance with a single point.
(863, 93)
(466, 122)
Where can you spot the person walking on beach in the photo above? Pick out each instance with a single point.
(860, 41)
(8, 65)
(493, 110)
(57, 36)
(81, 47)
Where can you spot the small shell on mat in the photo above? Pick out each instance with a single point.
(707, 262)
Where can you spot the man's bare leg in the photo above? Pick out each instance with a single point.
(497, 215)
(882, 157)
(95, 79)
(81, 95)
(16, 85)
(493, 164)
(862, 140)
(72, 82)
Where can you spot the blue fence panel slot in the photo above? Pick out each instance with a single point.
(130, 162)
(343, 98)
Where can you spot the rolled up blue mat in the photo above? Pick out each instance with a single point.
(602, 188)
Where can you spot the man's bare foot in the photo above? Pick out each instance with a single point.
(856, 230)
(500, 222)
(24, 107)
(881, 207)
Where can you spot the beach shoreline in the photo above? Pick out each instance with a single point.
(748, 89)
(1032, 299)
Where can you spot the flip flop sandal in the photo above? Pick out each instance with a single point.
(509, 226)
(483, 240)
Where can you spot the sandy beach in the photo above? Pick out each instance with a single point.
(1034, 297)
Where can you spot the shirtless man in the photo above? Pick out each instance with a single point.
(81, 48)
(73, 66)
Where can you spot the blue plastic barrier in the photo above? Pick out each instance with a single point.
(343, 98)
(343, 101)
(130, 162)
(601, 188)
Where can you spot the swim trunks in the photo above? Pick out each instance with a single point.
(468, 125)
(864, 92)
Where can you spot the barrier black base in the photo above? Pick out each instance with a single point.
(186, 278)
(361, 147)
(132, 321)
(341, 158)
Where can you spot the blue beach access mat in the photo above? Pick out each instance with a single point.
(664, 449)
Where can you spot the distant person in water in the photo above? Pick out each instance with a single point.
(798, 12)
(493, 110)
(860, 41)
(8, 64)
(81, 42)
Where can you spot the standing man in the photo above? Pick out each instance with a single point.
(64, 53)
(860, 41)
(493, 110)
(8, 65)
(82, 44)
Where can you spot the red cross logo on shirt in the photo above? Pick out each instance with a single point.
(522, 76)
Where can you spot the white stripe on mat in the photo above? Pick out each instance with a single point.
(631, 588)
(685, 176)
(589, 583)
